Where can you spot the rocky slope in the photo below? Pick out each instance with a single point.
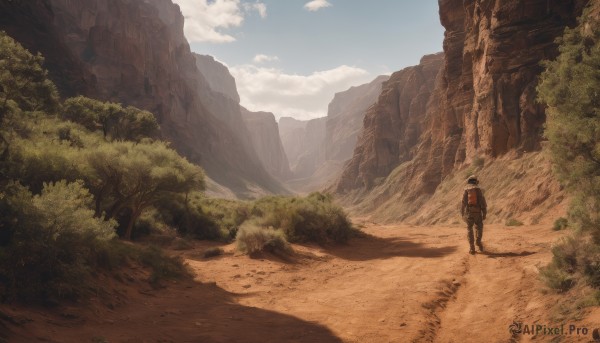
(264, 134)
(482, 104)
(135, 52)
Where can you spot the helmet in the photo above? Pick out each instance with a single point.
(473, 180)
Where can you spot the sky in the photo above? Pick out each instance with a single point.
(290, 57)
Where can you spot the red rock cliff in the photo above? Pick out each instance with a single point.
(393, 125)
(482, 103)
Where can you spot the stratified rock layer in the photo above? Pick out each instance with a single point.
(393, 126)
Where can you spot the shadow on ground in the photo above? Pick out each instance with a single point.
(184, 312)
(496, 254)
(371, 247)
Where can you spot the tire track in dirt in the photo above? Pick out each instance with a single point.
(444, 296)
(501, 286)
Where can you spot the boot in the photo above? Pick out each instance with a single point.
(480, 246)
(472, 250)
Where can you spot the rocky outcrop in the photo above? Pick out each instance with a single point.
(135, 52)
(483, 103)
(393, 126)
(264, 134)
(218, 76)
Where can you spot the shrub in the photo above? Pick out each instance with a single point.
(52, 241)
(190, 218)
(560, 224)
(252, 239)
(163, 267)
(556, 278)
(574, 257)
(478, 162)
(311, 219)
(513, 222)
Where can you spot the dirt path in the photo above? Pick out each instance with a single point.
(402, 284)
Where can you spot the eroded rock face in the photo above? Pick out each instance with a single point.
(345, 118)
(218, 76)
(135, 52)
(494, 50)
(393, 126)
(264, 133)
(482, 102)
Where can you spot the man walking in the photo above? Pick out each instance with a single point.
(473, 210)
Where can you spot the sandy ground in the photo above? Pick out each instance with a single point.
(400, 284)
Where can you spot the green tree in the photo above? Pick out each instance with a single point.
(570, 87)
(24, 86)
(23, 80)
(116, 122)
(130, 177)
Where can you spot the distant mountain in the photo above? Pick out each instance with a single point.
(135, 53)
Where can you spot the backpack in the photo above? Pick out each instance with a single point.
(472, 197)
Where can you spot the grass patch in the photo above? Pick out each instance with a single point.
(513, 222)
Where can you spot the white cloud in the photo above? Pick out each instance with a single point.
(258, 7)
(260, 58)
(316, 5)
(298, 96)
(205, 18)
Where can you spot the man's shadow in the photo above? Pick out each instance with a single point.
(496, 254)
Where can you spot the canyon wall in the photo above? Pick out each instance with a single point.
(135, 53)
(393, 126)
(482, 104)
(345, 116)
(303, 144)
(264, 133)
(318, 148)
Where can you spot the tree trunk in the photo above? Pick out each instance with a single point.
(135, 213)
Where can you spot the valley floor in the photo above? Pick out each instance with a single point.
(399, 284)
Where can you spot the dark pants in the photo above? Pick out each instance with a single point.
(477, 220)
